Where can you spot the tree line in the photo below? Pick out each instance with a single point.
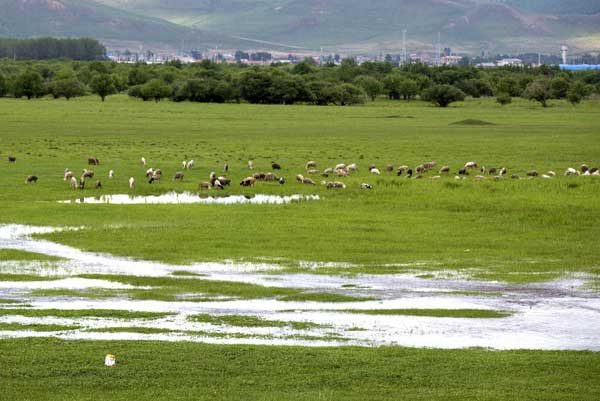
(307, 83)
(51, 48)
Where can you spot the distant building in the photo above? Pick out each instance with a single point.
(451, 60)
(514, 62)
(579, 67)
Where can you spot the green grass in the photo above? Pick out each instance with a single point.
(93, 293)
(251, 321)
(36, 327)
(26, 277)
(50, 369)
(178, 289)
(458, 313)
(14, 254)
(509, 226)
(71, 313)
(141, 330)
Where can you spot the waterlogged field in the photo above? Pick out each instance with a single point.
(231, 275)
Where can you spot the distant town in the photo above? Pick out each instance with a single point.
(444, 57)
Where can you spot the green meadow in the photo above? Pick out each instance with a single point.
(500, 227)
(508, 230)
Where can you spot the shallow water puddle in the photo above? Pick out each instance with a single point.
(560, 314)
(175, 198)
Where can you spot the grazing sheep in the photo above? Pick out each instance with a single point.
(593, 170)
(479, 177)
(204, 185)
(389, 168)
(248, 182)
(131, 182)
(308, 181)
(335, 184)
(587, 173)
(224, 180)
(93, 161)
(73, 182)
(409, 173)
(270, 177)
(226, 167)
(420, 169)
(546, 176)
(584, 168)
(67, 175)
(375, 171)
(12, 159)
(143, 161)
(471, 165)
(275, 166)
(444, 169)
(31, 179)
(352, 167)
(482, 169)
(340, 166)
(81, 183)
(428, 166)
(259, 176)
(364, 185)
(155, 176)
(310, 164)
(178, 176)
(597, 172)
(98, 184)
(328, 170)
(502, 171)
(341, 173)
(492, 171)
(190, 165)
(87, 174)
(184, 164)
(111, 174)
(515, 177)
(571, 171)
(250, 165)
(312, 171)
(217, 184)
(551, 173)
(463, 171)
(532, 173)
(149, 172)
(299, 178)
(281, 180)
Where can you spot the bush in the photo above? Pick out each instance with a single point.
(538, 91)
(443, 95)
(503, 99)
(67, 88)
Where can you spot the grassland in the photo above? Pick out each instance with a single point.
(50, 369)
(13, 254)
(250, 321)
(509, 226)
(83, 313)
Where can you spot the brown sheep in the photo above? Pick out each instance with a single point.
(492, 171)
(275, 166)
(204, 185)
(428, 166)
(178, 176)
(584, 168)
(31, 179)
(308, 181)
(420, 168)
(532, 173)
(248, 182)
(259, 176)
(310, 164)
(12, 159)
(93, 161)
(87, 174)
(444, 169)
(98, 184)
(389, 168)
(270, 177)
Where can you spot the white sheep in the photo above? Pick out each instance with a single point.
(111, 174)
(143, 161)
(131, 182)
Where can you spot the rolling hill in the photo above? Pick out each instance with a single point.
(336, 25)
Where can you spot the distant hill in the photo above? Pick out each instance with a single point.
(84, 18)
(337, 25)
(495, 25)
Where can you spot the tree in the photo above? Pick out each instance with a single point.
(391, 83)
(3, 86)
(443, 95)
(29, 84)
(103, 85)
(503, 99)
(156, 89)
(351, 94)
(577, 91)
(560, 87)
(408, 89)
(538, 91)
(67, 87)
(372, 86)
(509, 85)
